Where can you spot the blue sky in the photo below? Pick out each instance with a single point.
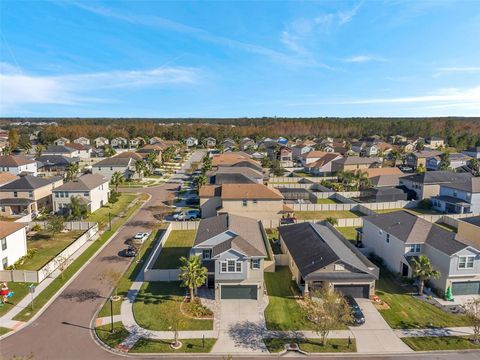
(248, 58)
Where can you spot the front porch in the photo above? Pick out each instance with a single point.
(451, 205)
(17, 207)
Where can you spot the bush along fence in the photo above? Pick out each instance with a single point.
(151, 274)
(61, 259)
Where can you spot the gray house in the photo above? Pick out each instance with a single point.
(459, 197)
(319, 256)
(399, 236)
(232, 248)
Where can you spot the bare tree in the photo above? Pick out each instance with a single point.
(327, 310)
(472, 311)
(175, 322)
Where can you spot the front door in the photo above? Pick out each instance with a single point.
(404, 270)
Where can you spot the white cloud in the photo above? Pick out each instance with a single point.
(291, 42)
(18, 88)
(456, 69)
(346, 16)
(363, 59)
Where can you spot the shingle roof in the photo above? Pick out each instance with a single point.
(324, 159)
(29, 183)
(55, 160)
(412, 229)
(472, 185)
(438, 177)
(474, 220)
(14, 161)
(9, 227)
(249, 191)
(114, 161)
(245, 234)
(354, 160)
(55, 149)
(83, 183)
(6, 177)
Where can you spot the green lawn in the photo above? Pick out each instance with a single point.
(283, 312)
(101, 215)
(178, 244)
(3, 330)
(386, 211)
(163, 346)
(273, 235)
(429, 343)
(20, 290)
(408, 312)
(112, 339)
(322, 215)
(129, 276)
(328, 201)
(447, 227)
(158, 298)
(349, 232)
(56, 284)
(47, 247)
(311, 345)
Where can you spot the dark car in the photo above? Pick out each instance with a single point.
(358, 317)
(130, 252)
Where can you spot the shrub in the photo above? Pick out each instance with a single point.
(425, 204)
(196, 309)
(36, 228)
(113, 197)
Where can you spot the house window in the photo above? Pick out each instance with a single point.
(30, 194)
(255, 263)
(238, 266)
(99, 169)
(338, 267)
(231, 266)
(223, 268)
(15, 194)
(244, 202)
(4, 243)
(255, 201)
(5, 262)
(455, 194)
(86, 194)
(415, 248)
(207, 254)
(387, 238)
(466, 262)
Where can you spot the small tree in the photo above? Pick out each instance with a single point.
(423, 270)
(327, 309)
(39, 150)
(54, 225)
(77, 209)
(444, 161)
(475, 167)
(72, 171)
(192, 274)
(175, 321)
(117, 179)
(421, 169)
(140, 168)
(201, 180)
(13, 138)
(332, 220)
(472, 312)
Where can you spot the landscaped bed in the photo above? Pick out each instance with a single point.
(432, 343)
(322, 215)
(46, 247)
(156, 299)
(178, 244)
(112, 339)
(328, 201)
(273, 239)
(405, 311)
(311, 345)
(163, 346)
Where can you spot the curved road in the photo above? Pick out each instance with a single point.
(63, 330)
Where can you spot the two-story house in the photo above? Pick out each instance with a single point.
(419, 158)
(355, 163)
(319, 256)
(399, 236)
(136, 142)
(100, 141)
(91, 189)
(84, 151)
(119, 142)
(459, 197)
(232, 248)
(473, 152)
(82, 141)
(13, 243)
(61, 141)
(457, 160)
(28, 195)
(247, 144)
(323, 165)
(235, 175)
(191, 141)
(107, 167)
(252, 200)
(427, 184)
(16, 165)
(285, 157)
(54, 164)
(210, 142)
(298, 150)
(434, 142)
(62, 150)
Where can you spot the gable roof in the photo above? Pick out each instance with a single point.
(9, 227)
(14, 161)
(471, 185)
(55, 160)
(249, 191)
(129, 154)
(372, 172)
(325, 159)
(6, 177)
(114, 161)
(55, 149)
(426, 153)
(412, 229)
(29, 183)
(357, 160)
(78, 146)
(244, 234)
(83, 183)
(315, 246)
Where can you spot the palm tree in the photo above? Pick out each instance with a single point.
(192, 274)
(201, 180)
(72, 171)
(39, 150)
(423, 270)
(140, 168)
(116, 180)
(152, 161)
(27, 147)
(168, 154)
(6, 150)
(362, 180)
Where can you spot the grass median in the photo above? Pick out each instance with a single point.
(312, 345)
(27, 313)
(431, 343)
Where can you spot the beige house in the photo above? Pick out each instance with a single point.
(468, 230)
(419, 158)
(251, 200)
(427, 184)
(319, 256)
(107, 167)
(354, 163)
(27, 195)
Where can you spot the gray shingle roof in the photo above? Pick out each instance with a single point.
(55, 160)
(472, 185)
(114, 161)
(247, 235)
(55, 149)
(28, 183)
(438, 177)
(83, 183)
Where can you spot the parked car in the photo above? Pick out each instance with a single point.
(187, 215)
(131, 251)
(140, 237)
(358, 317)
(158, 172)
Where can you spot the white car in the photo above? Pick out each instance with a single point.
(141, 237)
(187, 215)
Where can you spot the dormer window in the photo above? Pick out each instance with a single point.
(338, 267)
(207, 254)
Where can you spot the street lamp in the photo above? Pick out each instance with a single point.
(111, 314)
(109, 221)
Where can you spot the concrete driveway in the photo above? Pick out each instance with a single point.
(376, 335)
(241, 327)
